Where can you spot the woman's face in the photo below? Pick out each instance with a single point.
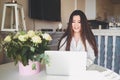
(76, 24)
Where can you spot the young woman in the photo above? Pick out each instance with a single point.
(79, 37)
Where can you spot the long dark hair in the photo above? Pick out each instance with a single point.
(86, 33)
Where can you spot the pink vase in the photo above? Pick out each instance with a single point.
(27, 70)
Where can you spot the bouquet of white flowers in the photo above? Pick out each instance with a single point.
(24, 46)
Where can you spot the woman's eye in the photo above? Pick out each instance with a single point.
(76, 21)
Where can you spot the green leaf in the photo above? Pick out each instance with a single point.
(34, 66)
(32, 49)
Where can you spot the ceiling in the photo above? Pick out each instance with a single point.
(115, 1)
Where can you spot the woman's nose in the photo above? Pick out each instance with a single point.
(76, 24)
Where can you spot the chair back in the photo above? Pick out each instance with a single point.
(108, 41)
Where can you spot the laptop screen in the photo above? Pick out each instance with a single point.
(66, 62)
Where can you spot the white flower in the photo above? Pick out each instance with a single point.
(7, 39)
(16, 35)
(46, 36)
(23, 38)
(36, 39)
(31, 33)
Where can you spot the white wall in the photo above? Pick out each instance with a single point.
(90, 9)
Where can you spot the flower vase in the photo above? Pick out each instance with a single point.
(30, 69)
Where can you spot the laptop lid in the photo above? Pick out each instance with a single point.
(66, 62)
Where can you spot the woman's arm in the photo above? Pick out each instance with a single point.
(90, 54)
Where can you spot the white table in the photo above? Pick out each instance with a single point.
(10, 72)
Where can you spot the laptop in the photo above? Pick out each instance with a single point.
(66, 62)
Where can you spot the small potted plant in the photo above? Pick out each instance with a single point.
(24, 47)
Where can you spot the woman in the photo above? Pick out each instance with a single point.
(79, 37)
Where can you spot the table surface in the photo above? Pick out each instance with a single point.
(9, 71)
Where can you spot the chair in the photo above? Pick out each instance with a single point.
(108, 48)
